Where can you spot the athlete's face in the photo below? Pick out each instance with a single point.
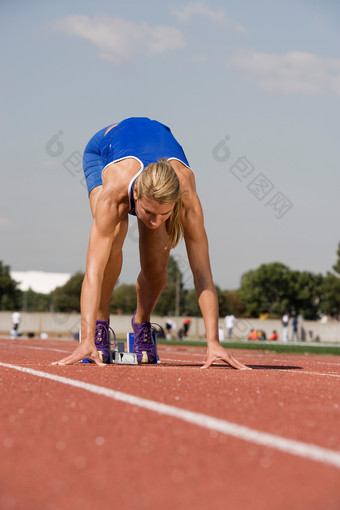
(152, 213)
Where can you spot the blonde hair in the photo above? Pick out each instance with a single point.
(159, 182)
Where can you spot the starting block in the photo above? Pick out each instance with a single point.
(118, 356)
(130, 339)
(124, 358)
(121, 357)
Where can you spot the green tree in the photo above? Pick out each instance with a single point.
(36, 301)
(276, 289)
(67, 297)
(10, 295)
(221, 299)
(191, 306)
(330, 296)
(166, 304)
(124, 299)
(172, 296)
(307, 289)
(232, 304)
(267, 289)
(173, 271)
(330, 299)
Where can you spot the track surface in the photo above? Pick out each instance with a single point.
(65, 447)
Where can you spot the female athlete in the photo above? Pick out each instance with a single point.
(138, 167)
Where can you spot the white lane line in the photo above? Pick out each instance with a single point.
(328, 363)
(39, 348)
(290, 446)
(316, 362)
(45, 348)
(312, 373)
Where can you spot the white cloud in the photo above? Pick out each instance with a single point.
(118, 39)
(292, 73)
(186, 14)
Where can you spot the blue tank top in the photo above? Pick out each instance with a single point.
(142, 139)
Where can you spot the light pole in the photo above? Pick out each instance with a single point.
(178, 292)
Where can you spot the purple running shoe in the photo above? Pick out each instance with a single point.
(143, 344)
(102, 340)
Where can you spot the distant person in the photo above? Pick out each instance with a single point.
(170, 326)
(229, 324)
(186, 326)
(261, 335)
(137, 167)
(16, 317)
(274, 336)
(252, 335)
(295, 332)
(285, 323)
(183, 332)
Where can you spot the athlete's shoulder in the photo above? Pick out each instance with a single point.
(184, 173)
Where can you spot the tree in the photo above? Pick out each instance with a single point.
(10, 295)
(166, 304)
(67, 297)
(172, 298)
(305, 299)
(276, 289)
(330, 296)
(267, 289)
(36, 301)
(173, 271)
(191, 306)
(330, 299)
(124, 299)
(232, 304)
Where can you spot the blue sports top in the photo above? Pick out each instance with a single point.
(143, 139)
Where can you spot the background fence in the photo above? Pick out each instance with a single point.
(67, 324)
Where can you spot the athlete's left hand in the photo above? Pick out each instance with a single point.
(217, 353)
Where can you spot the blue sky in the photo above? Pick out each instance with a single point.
(250, 89)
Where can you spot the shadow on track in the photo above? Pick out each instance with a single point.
(274, 367)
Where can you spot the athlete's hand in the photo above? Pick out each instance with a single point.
(84, 350)
(217, 353)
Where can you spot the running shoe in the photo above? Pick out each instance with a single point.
(102, 340)
(143, 345)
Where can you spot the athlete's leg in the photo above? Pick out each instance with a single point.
(114, 264)
(112, 270)
(154, 253)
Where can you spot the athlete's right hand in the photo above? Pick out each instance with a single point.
(84, 350)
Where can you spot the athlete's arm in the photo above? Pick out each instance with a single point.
(109, 213)
(198, 254)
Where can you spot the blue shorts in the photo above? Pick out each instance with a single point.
(140, 138)
(93, 161)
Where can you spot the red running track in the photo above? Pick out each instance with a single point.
(168, 436)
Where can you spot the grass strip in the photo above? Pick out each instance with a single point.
(263, 346)
(301, 348)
